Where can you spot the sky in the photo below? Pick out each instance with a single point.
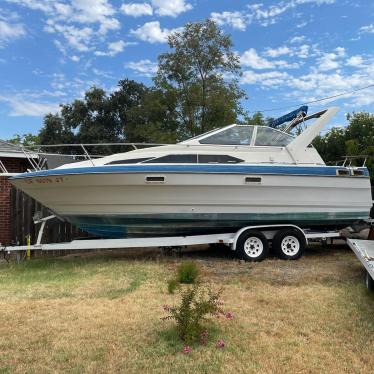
(291, 51)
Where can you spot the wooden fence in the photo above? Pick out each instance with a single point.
(23, 208)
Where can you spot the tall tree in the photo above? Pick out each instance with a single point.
(199, 78)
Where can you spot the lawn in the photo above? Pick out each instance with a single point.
(100, 313)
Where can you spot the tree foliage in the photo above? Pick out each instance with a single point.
(25, 139)
(354, 140)
(193, 75)
(132, 113)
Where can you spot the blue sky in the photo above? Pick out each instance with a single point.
(292, 51)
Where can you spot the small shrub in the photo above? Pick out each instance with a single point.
(197, 305)
(172, 285)
(187, 272)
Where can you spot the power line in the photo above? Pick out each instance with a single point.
(314, 101)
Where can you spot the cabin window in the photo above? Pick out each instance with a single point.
(266, 136)
(343, 172)
(130, 161)
(218, 159)
(358, 173)
(174, 159)
(237, 135)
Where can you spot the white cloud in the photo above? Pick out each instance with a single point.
(143, 67)
(356, 61)
(170, 8)
(137, 9)
(303, 51)
(236, 20)
(9, 31)
(276, 52)
(21, 107)
(82, 23)
(330, 61)
(369, 29)
(151, 32)
(260, 13)
(349, 74)
(297, 39)
(77, 38)
(272, 78)
(43, 5)
(253, 60)
(113, 48)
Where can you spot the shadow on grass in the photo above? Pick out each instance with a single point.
(137, 279)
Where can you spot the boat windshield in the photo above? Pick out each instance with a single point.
(271, 137)
(242, 135)
(232, 136)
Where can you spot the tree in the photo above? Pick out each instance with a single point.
(144, 113)
(194, 77)
(331, 146)
(55, 131)
(256, 120)
(354, 140)
(360, 137)
(131, 113)
(25, 139)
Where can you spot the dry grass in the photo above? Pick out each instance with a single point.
(96, 314)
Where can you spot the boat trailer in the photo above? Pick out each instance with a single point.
(245, 242)
(364, 250)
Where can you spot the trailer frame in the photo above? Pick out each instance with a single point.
(228, 239)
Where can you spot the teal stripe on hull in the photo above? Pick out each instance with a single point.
(121, 226)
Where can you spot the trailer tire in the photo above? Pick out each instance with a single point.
(369, 282)
(252, 245)
(289, 244)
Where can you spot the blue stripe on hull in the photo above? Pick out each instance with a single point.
(121, 226)
(193, 168)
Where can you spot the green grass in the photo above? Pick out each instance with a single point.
(101, 313)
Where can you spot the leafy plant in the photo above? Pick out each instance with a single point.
(172, 285)
(197, 305)
(187, 272)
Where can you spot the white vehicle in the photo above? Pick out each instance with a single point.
(216, 183)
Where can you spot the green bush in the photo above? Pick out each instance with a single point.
(172, 285)
(187, 272)
(197, 305)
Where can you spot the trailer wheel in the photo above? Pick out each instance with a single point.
(369, 282)
(289, 244)
(252, 245)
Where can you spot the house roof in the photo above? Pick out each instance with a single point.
(13, 150)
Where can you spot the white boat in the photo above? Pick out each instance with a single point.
(217, 182)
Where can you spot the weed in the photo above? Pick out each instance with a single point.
(187, 272)
(172, 285)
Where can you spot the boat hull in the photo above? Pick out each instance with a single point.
(180, 201)
(120, 226)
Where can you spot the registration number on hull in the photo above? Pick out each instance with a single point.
(45, 180)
